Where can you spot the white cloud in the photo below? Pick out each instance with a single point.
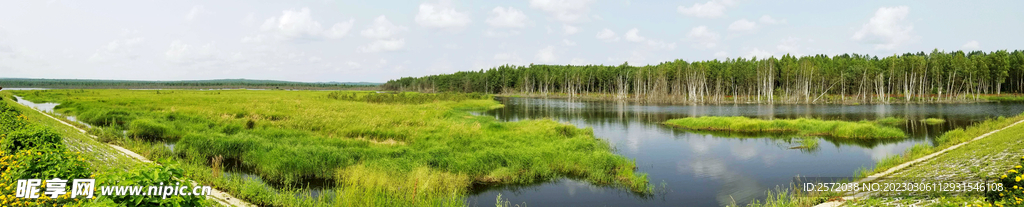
(886, 30)
(507, 17)
(299, 25)
(607, 35)
(742, 25)
(546, 55)
(194, 12)
(441, 16)
(703, 37)
(759, 53)
(721, 54)
(790, 46)
(352, 64)
(501, 33)
(633, 35)
(567, 11)
(508, 58)
(710, 9)
(124, 48)
(569, 29)
(392, 44)
(183, 54)
(769, 20)
(971, 45)
(382, 28)
(661, 44)
(578, 61)
(568, 42)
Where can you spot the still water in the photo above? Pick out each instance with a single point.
(715, 170)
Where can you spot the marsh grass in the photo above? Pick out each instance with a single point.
(399, 151)
(788, 197)
(801, 126)
(808, 143)
(933, 121)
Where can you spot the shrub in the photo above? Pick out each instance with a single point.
(148, 129)
(1012, 187)
(167, 174)
(100, 117)
(31, 137)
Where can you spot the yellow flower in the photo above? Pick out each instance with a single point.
(1018, 179)
(1018, 166)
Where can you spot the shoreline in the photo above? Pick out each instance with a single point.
(611, 98)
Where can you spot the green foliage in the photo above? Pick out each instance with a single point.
(167, 174)
(32, 151)
(802, 126)
(933, 121)
(31, 137)
(1012, 191)
(939, 76)
(406, 97)
(149, 129)
(105, 117)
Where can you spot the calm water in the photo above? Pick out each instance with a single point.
(714, 170)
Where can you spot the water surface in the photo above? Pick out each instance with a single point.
(713, 170)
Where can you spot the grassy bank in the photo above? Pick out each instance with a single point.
(364, 141)
(948, 139)
(802, 126)
(987, 159)
(38, 147)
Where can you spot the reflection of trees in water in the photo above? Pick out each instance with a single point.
(603, 113)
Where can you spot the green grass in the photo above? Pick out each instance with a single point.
(47, 149)
(948, 139)
(808, 143)
(802, 126)
(788, 197)
(933, 121)
(1005, 97)
(395, 149)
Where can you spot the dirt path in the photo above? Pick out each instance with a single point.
(905, 165)
(219, 196)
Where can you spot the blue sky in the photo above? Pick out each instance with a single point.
(377, 41)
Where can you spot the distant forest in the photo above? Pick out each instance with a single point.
(848, 78)
(186, 84)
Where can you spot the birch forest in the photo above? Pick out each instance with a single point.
(849, 78)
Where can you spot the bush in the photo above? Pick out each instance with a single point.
(167, 174)
(31, 137)
(148, 129)
(101, 117)
(1012, 187)
(42, 164)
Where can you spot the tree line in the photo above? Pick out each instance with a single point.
(938, 76)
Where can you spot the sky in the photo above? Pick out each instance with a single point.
(376, 41)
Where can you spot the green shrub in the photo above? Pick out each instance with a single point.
(31, 137)
(149, 129)
(1012, 187)
(167, 174)
(101, 117)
